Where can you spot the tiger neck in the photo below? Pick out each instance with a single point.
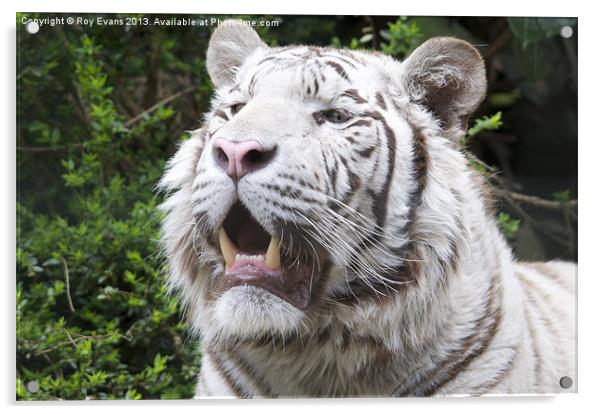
(383, 346)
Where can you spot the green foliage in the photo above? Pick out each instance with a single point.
(486, 123)
(401, 38)
(93, 316)
(489, 123)
(354, 43)
(530, 30)
(562, 196)
(508, 225)
(504, 99)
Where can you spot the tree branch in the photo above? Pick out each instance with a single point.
(48, 149)
(536, 201)
(156, 106)
(67, 286)
(502, 40)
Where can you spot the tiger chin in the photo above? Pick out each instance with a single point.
(328, 237)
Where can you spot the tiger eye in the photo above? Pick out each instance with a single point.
(335, 116)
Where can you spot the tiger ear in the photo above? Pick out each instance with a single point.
(447, 76)
(231, 43)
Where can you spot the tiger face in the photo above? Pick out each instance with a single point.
(301, 190)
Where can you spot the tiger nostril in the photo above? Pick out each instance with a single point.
(221, 157)
(257, 159)
(253, 157)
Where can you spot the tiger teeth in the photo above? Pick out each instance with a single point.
(272, 256)
(229, 250)
(231, 254)
(256, 257)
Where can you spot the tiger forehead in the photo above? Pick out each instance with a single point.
(314, 72)
(293, 55)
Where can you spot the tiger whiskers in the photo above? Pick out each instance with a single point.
(341, 248)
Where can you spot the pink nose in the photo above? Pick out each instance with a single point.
(240, 158)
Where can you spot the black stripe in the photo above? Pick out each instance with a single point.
(366, 152)
(535, 348)
(341, 58)
(530, 289)
(338, 68)
(252, 84)
(221, 114)
(266, 59)
(381, 199)
(290, 193)
(507, 368)
(300, 181)
(473, 346)
(332, 174)
(256, 379)
(555, 277)
(381, 101)
(219, 364)
(410, 269)
(354, 94)
(353, 182)
(360, 123)
(350, 55)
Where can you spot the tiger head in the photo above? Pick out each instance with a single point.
(305, 187)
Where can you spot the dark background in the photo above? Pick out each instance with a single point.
(100, 110)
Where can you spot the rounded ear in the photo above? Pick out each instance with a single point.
(447, 76)
(231, 43)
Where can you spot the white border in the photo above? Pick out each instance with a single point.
(590, 205)
(333, 7)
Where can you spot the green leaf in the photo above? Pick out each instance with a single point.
(508, 225)
(490, 123)
(533, 29)
(562, 196)
(504, 99)
(366, 38)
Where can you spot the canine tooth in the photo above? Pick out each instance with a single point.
(228, 249)
(272, 256)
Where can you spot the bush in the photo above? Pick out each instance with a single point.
(93, 317)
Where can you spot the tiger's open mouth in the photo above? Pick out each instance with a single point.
(253, 257)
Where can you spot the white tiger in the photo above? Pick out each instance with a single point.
(329, 238)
